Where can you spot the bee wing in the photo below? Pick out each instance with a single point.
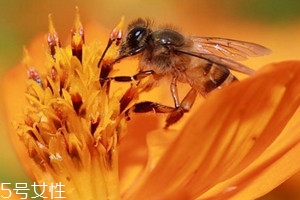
(228, 48)
(230, 64)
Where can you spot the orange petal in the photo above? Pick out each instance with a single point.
(237, 132)
(276, 164)
(13, 88)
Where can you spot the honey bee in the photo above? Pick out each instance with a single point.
(202, 62)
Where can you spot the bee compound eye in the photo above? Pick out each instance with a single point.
(136, 34)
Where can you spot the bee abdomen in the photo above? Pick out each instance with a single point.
(217, 76)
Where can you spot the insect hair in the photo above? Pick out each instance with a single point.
(147, 23)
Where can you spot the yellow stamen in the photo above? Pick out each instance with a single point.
(71, 127)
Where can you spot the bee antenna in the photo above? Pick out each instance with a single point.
(109, 43)
(115, 36)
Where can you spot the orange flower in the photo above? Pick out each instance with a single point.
(238, 144)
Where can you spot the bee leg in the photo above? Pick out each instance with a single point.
(175, 114)
(185, 106)
(136, 77)
(174, 91)
(129, 94)
(189, 99)
(148, 106)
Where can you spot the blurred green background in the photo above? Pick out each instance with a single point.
(273, 23)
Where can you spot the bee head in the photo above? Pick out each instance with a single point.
(136, 38)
